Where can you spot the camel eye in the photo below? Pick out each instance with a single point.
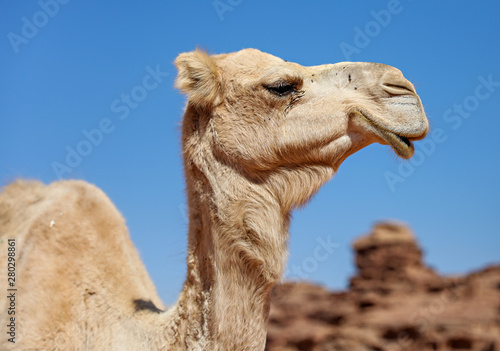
(280, 88)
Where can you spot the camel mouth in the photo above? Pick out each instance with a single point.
(402, 146)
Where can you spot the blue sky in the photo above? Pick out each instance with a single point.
(66, 67)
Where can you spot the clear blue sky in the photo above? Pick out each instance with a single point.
(64, 69)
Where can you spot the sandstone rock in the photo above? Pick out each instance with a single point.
(395, 302)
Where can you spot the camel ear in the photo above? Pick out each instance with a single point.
(199, 77)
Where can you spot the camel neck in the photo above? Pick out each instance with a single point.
(236, 253)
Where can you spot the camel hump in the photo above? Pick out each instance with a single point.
(72, 244)
(25, 203)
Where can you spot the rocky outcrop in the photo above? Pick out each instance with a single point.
(395, 302)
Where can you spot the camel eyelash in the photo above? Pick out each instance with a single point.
(281, 88)
(295, 98)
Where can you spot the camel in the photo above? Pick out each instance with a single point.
(260, 135)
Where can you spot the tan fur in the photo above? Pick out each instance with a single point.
(250, 157)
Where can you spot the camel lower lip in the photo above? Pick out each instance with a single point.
(401, 145)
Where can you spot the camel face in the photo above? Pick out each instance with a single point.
(268, 113)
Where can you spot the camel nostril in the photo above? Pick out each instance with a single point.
(398, 89)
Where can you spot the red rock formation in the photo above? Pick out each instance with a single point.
(395, 302)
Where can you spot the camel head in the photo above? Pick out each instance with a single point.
(269, 112)
(264, 114)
